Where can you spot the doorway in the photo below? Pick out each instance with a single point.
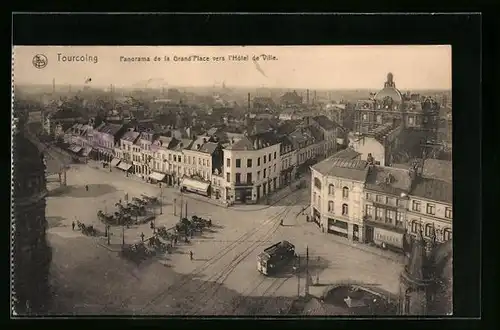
(355, 233)
(369, 234)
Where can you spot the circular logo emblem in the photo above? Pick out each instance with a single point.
(40, 61)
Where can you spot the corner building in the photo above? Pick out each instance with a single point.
(337, 194)
(251, 167)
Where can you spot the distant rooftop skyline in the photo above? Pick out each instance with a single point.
(299, 67)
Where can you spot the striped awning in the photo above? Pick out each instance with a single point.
(124, 166)
(157, 176)
(115, 161)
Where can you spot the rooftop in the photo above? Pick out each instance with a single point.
(111, 129)
(130, 136)
(353, 169)
(433, 189)
(438, 169)
(325, 122)
(347, 153)
(388, 180)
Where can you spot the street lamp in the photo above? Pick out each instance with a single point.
(161, 198)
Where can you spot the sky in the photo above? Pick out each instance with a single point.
(320, 67)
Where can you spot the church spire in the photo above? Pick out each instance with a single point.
(390, 81)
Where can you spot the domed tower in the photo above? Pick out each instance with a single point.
(31, 254)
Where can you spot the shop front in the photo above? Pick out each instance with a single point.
(124, 167)
(195, 186)
(243, 194)
(316, 217)
(156, 177)
(115, 162)
(338, 227)
(385, 236)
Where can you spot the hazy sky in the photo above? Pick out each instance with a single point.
(321, 67)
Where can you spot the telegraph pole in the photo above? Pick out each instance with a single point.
(161, 198)
(180, 214)
(123, 235)
(186, 209)
(307, 271)
(298, 276)
(175, 203)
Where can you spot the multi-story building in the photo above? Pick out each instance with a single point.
(201, 158)
(251, 167)
(385, 204)
(104, 140)
(309, 143)
(431, 200)
(330, 131)
(288, 156)
(126, 153)
(337, 186)
(291, 99)
(145, 141)
(76, 137)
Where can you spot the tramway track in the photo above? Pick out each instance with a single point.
(177, 287)
(213, 281)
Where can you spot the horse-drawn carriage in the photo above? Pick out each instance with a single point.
(150, 200)
(86, 230)
(137, 252)
(156, 243)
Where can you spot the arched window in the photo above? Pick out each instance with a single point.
(345, 209)
(317, 183)
(379, 119)
(428, 230)
(345, 192)
(330, 206)
(414, 226)
(447, 234)
(331, 189)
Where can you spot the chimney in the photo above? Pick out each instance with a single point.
(248, 102)
(314, 99)
(307, 97)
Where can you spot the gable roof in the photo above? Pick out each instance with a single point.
(111, 129)
(325, 123)
(130, 136)
(438, 169)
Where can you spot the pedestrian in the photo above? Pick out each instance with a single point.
(281, 222)
(142, 237)
(307, 218)
(186, 239)
(73, 225)
(152, 225)
(120, 201)
(86, 187)
(175, 240)
(191, 255)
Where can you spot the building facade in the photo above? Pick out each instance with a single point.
(252, 167)
(337, 187)
(288, 156)
(104, 140)
(385, 204)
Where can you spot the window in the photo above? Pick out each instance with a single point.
(189, 159)
(414, 226)
(269, 157)
(258, 175)
(238, 163)
(410, 120)
(249, 177)
(391, 201)
(169, 156)
(379, 213)
(194, 161)
(317, 183)
(228, 162)
(345, 192)
(428, 230)
(431, 208)
(389, 216)
(258, 161)
(238, 177)
(331, 189)
(264, 158)
(249, 163)
(369, 211)
(314, 198)
(379, 119)
(379, 199)
(369, 196)
(264, 174)
(345, 209)
(448, 213)
(416, 206)
(330, 206)
(228, 177)
(274, 168)
(447, 234)
(275, 155)
(204, 162)
(199, 161)
(399, 219)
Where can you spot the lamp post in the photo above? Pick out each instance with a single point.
(161, 198)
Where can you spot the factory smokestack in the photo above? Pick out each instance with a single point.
(53, 85)
(248, 102)
(314, 100)
(307, 96)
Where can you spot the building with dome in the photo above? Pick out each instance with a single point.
(393, 126)
(31, 254)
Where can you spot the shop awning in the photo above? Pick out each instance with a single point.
(86, 151)
(76, 149)
(115, 162)
(124, 166)
(157, 176)
(195, 185)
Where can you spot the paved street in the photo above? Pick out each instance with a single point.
(89, 278)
